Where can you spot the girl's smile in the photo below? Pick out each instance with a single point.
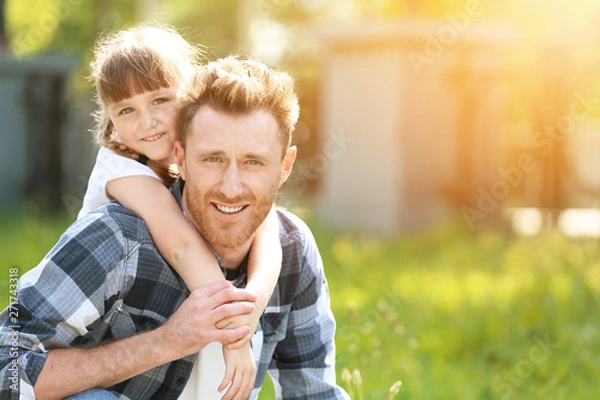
(146, 123)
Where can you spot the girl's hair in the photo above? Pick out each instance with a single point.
(133, 61)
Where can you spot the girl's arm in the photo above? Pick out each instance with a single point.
(264, 266)
(176, 239)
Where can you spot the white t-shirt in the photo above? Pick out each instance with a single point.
(207, 374)
(109, 165)
(209, 371)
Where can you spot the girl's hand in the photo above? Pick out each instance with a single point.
(240, 373)
(251, 320)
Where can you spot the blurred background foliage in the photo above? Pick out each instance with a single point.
(228, 26)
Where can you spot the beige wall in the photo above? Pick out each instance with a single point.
(400, 168)
(362, 113)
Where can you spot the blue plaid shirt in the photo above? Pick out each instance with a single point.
(105, 279)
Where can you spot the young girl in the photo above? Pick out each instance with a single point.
(138, 73)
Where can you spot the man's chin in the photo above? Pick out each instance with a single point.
(228, 241)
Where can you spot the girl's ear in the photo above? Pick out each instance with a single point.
(180, 158)
(288, 164)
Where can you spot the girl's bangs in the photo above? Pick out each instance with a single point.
(122, 80)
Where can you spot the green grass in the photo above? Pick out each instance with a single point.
(450, 314)
(460, 316)
(25, 237)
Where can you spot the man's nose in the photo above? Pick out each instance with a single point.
(231, 184)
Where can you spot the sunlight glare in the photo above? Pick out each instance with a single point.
(583, 222)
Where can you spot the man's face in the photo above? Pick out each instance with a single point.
(232, 167)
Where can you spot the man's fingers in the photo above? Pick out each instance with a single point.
(237, 344)
(224, 323)
(231, 310)
(232, 294)
(226, 336)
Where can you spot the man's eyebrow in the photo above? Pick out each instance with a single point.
(209, 152)
(263, 156)
(258, 156)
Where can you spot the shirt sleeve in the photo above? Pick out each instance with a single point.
(303, 365)
(59, 300)
(109, 165)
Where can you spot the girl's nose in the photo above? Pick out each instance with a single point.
(148, 119)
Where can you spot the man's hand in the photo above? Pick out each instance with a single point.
(249, 320)
(72, 370)
(194, 324)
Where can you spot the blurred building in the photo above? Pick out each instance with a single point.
(420, 116)
(417, 121)
(423, 121)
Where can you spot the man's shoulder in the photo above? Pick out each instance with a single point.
(298, 244)
(302, 267)
(292, 227)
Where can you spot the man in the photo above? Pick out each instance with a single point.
(134, 331)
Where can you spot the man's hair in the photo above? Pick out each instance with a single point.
(241, 86)
(132, 61)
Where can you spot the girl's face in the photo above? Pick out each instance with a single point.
(147, 123)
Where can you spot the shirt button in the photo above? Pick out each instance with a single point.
(181, 380)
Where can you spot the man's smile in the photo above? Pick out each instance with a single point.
(228, 209)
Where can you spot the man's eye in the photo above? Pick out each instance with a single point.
(253, 162)
(126, 110)
(213, 159)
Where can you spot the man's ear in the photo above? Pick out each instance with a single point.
(180, 158)
(287, 164)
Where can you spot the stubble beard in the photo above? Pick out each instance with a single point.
(230, 235)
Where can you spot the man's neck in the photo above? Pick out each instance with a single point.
(232, 257)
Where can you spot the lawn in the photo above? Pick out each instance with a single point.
(450, 314)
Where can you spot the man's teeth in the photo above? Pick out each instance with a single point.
(229, 210)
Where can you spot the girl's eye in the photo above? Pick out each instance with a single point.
(126, 110)
(160, 101)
